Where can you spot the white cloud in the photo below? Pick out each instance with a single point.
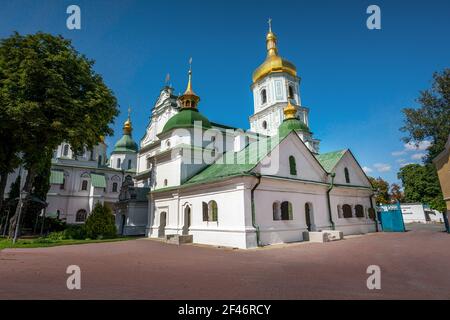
(418, 156)
(382, 167)
(422, 145)
(367, 169)
(401, 160)
(398, 153)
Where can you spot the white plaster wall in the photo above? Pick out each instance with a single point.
(413, 213)
(298, 194)
(124, 158)
(233, 228)
(340, 196)
(357, 176)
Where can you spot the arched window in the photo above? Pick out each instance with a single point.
(100, 160)
(129, 163)
(263, 96)
(118, 163)
(309, 216)
(371, 213)
(292, 166)
(276, 211)
(168, 143)
(291, 92)
(84, 185)
(286, 210)
(359, 211)
(264, 124)
(63, 184)
(114, 187)
(81, 215)
(66, 150)
(188, 103)
(347, 176)
(205, 211)
(347, 211)
(212, 211)
(165, 182)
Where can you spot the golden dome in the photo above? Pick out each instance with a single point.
(127, 128)
(289, 111)
(273, 62)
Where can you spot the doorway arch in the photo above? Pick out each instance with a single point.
(162, 224)
(309, 216)
(187, 220)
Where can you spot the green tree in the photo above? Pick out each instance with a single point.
(382, 189)
(51, 94)
(432, 120)
(421, 184)
(100, 223)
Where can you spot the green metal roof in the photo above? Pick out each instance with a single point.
(185, 119)
(98, 180)
(56, 177)
(289, 125)
(329, 160)
(237, 163)
(125, 144)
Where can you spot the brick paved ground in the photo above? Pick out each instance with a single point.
(414, 264)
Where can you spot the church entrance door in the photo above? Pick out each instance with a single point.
(187, 220)
(162, 225)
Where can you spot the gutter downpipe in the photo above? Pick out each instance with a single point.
(258, 176)
(330, 187)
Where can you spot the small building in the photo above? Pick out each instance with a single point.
(418, 212)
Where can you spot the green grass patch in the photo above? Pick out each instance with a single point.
(45, 242)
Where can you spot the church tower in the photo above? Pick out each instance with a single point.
(275, 83)
(123, 156)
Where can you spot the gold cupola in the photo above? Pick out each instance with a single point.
(290, 112)
(189, 100)
(273, 63)
(127, 128)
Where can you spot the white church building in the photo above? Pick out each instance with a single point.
(79, 181)
(222, 186)
(215, 184)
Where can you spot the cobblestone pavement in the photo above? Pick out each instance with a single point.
(414, 265)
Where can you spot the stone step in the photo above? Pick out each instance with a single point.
(178, 239)
(323, 236)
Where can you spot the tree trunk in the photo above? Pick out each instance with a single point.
(3, 180)
(31, 174)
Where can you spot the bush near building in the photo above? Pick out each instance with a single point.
(100, 223)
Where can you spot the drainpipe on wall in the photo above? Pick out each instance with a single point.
(330, 187)
(258, 176)
(375, 212)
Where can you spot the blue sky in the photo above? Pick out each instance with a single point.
(354, 80)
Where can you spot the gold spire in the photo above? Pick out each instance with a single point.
(271, 41)
(189, 99)
(290, 112)
(273, 62)
(127, 128)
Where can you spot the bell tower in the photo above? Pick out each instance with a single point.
(275, 83)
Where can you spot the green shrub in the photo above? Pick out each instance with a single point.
(100, 223)
(53, 224)
(57, 235)
(75, 232)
